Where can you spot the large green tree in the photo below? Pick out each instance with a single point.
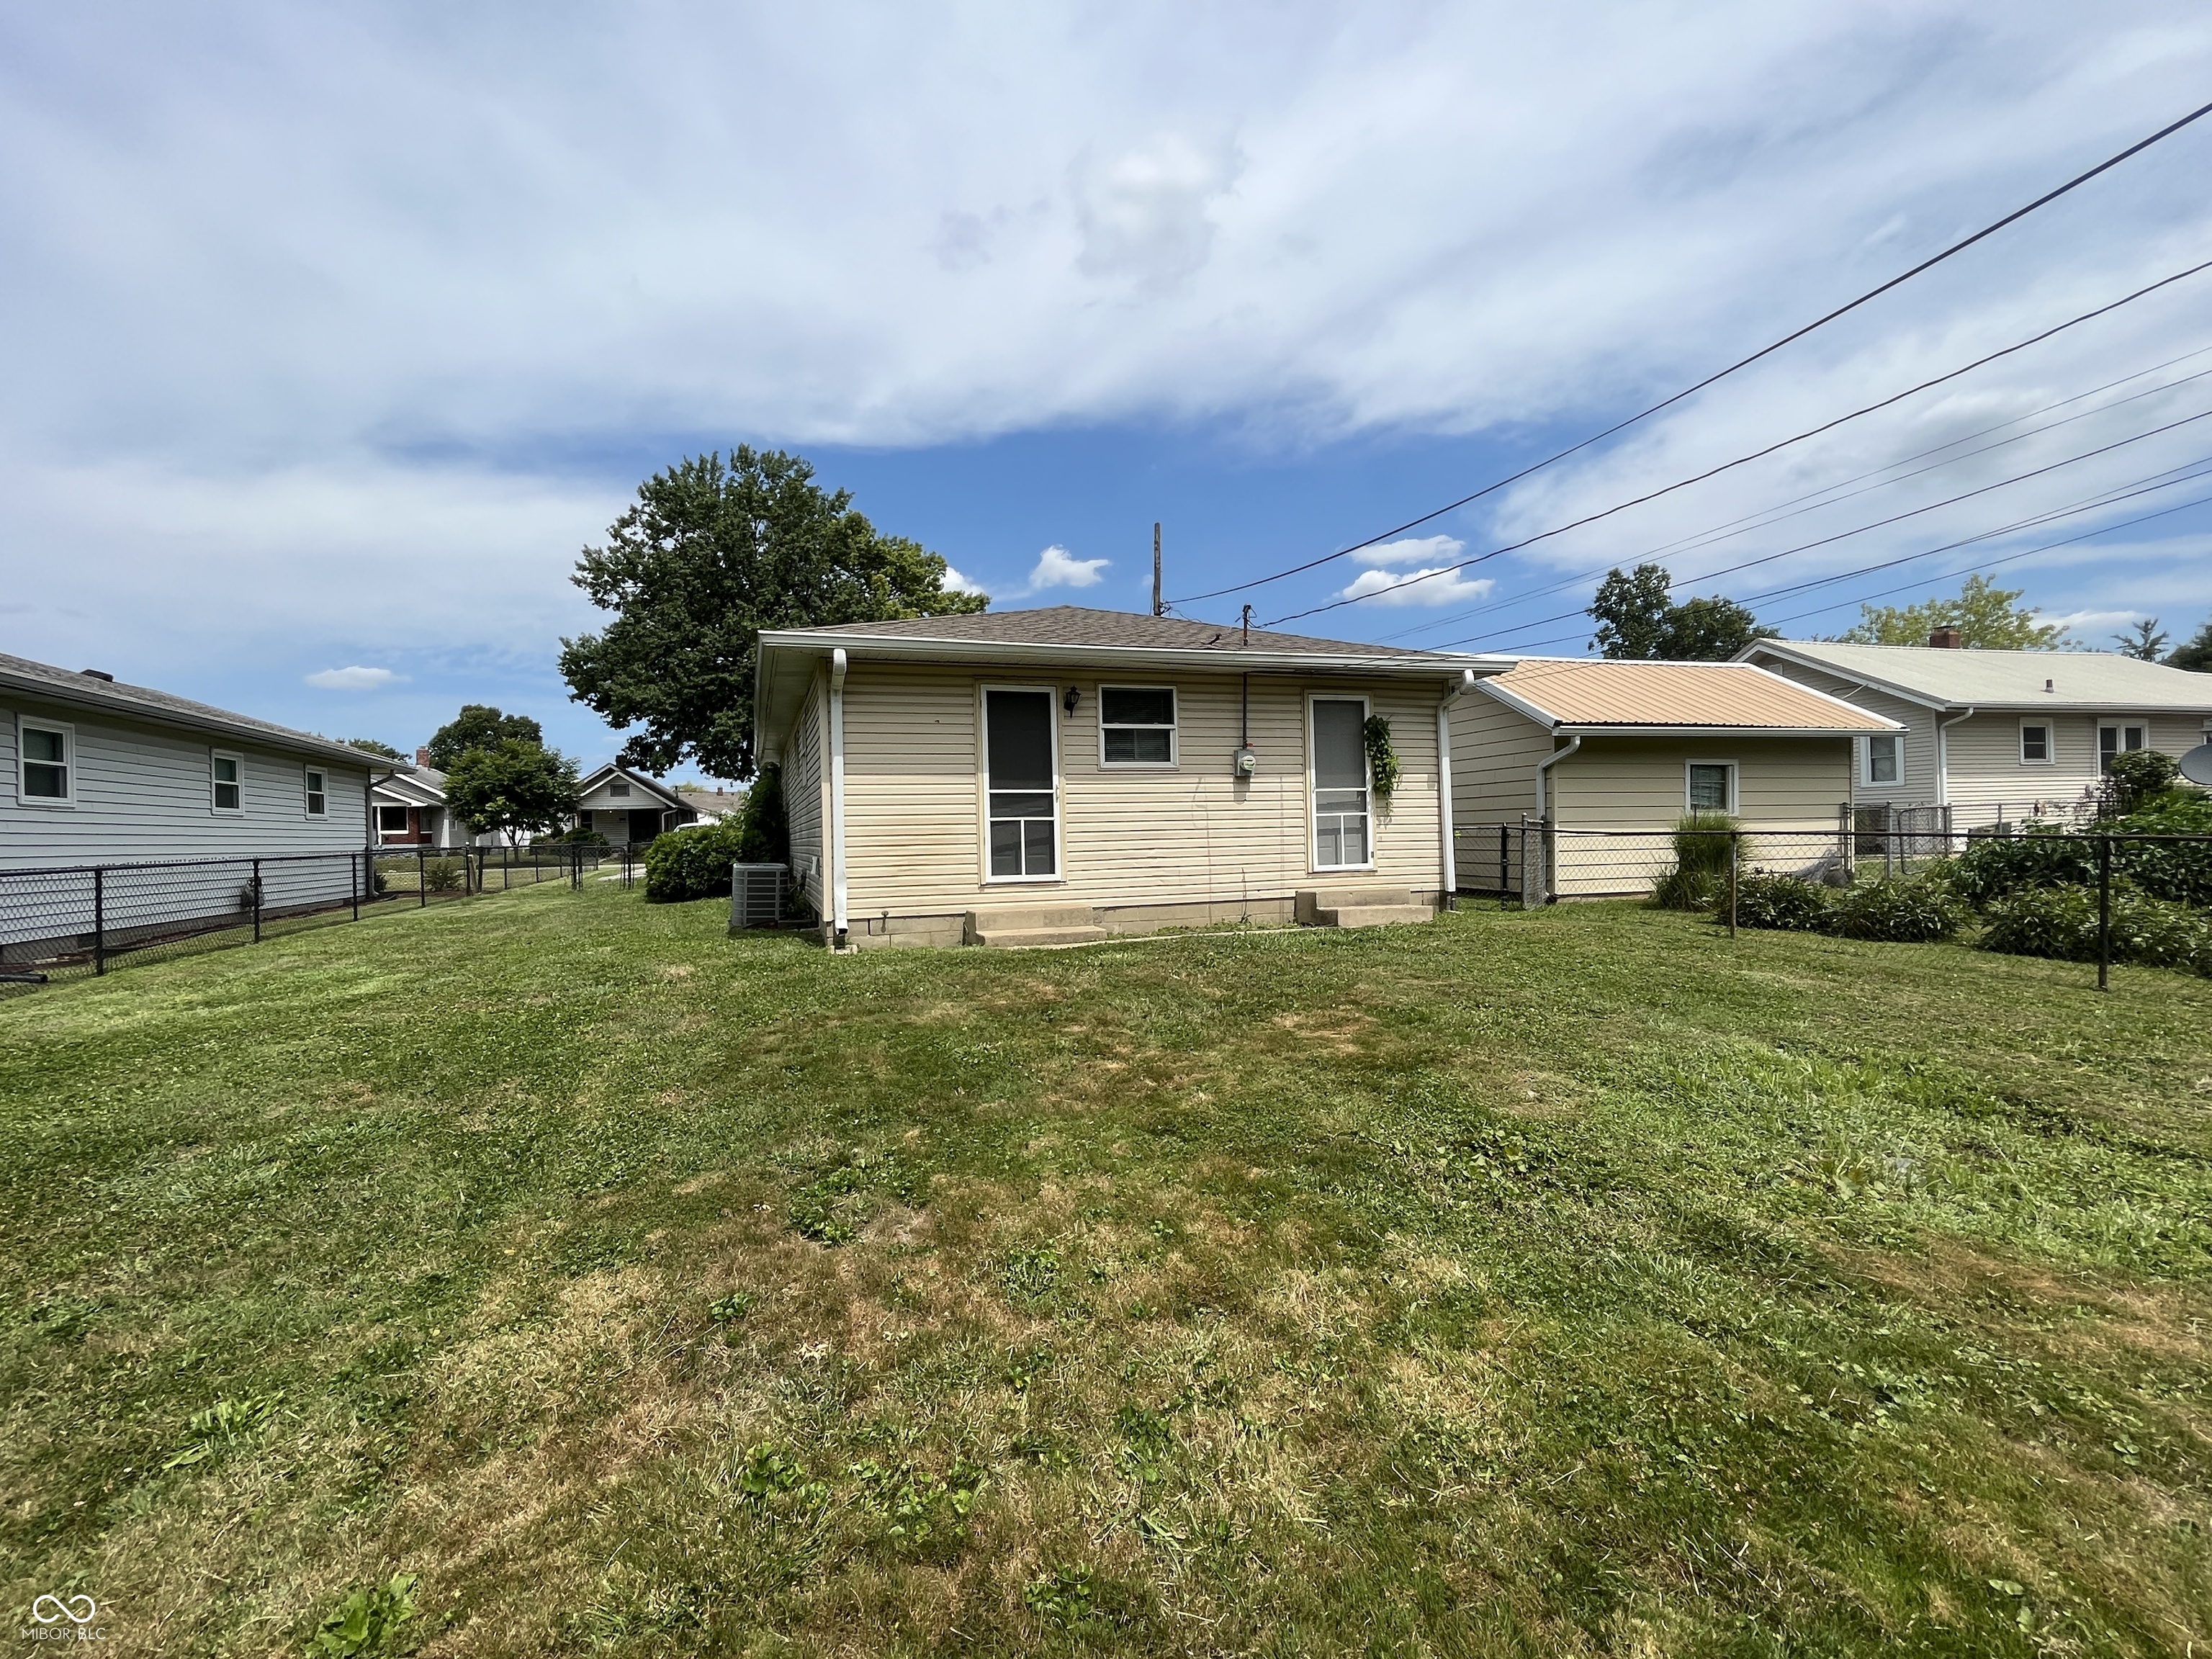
(513, 787)
(1636, 617)
(2196, 655)
(713, 552)
(1988, 618)
(479, 725)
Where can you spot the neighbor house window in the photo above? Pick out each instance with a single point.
(1712, 786)
(583, 821)
(319, 793)
(618, 788)
(2034, 743)
(392, 820)
(1885, 758)
(1023, 786)
(1343, 834)
(2116, 740)
(47, 771)
(229, 779)
(1137, 725)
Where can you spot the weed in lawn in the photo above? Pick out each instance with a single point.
(370, 1623)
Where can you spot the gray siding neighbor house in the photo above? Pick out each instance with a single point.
(1995, 735)
(628, 808)
(93, 772)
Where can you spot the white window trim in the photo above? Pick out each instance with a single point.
(2050, 743)
(1867, 778)
(1734, 784)
(2118, 723)
(1367, 770)
(50, 803)
(308, 792)
(1059, 877)
(1173, 762)
(238, 811)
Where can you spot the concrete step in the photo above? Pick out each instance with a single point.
(1371, 915)
(1001, 923)
(1314, 900)
(1015, 939)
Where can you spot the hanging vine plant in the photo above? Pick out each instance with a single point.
(1381, 759)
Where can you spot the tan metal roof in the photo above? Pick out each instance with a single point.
(1675, 696)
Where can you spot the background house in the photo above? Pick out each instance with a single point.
(1587, 747)
(628, 808)
(1064, 772)
(411, 811)
(1996, 735)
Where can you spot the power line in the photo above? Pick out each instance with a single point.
(2100, 499)
(1337, 605)
(1791, 508)
(1961, 246)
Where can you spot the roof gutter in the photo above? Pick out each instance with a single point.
(1543, 770)
(1232, 661)
(1457, 690)
(838, 892)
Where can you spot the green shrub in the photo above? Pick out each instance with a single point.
(1690, 890)
(1790, 903)
(1993, 866)
(444, 875)
(694, 862)
(2139, 775)
(1901, 909)
(2155, 933)
(1699, 878)
(2180, 871)
(2061, 922)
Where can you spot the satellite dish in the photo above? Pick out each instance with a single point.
(2197, 764)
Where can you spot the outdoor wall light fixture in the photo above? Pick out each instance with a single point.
(1074, 695)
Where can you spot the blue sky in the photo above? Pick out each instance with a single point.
(339, 331)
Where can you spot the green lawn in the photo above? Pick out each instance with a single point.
(1569, 1282)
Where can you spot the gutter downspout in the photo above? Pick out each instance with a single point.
(1943, 761)
(837, 889)
(1549, 831)
(1544, 766)
(1464, 685)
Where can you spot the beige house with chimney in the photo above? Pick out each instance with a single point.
(1587, 762)
(1989, 737)
(1056, 776)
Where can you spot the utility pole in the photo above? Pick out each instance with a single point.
(1159, 605)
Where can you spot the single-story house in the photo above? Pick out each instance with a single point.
(1583, 747)
(93, 772)
(1989, 737)
(411, 811)
(1060, 774)
(628, 808)
(711, 805)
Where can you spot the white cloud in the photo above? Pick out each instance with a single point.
(352, 679)
(960, 584)
(1412, 550)
(1422, 588)
(1056, 569)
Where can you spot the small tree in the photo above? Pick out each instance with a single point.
(1988, 618)
(513, 787)
(2145, 643)
(1637, 620)
(479, 725)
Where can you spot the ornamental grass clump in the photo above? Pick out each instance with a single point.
(1699, 878)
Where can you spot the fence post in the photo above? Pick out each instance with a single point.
(100, 921)
(1504, 864)
(356, 867)
(256, 900)
(421, 881)
(2103, 912)
(1736, 856)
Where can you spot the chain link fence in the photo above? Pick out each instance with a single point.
(62, 922)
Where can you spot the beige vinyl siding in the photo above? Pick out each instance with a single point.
(1495, 753)
(1917, 786)
(1128, 837)
(142, 792)
(803, 785)
(1791, 788)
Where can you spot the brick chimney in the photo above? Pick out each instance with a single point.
(422, 755)
(1946, 638)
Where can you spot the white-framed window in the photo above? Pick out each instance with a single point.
(45, 762)
(2035, 743)
(1336, 747)
(390, 820)
(1708, 786)
(2119, 738)
(1021, 783)
(1883, 757)
(319, 793)
(1137, 726)
(226, 780)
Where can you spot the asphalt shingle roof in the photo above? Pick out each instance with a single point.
(1072, 624)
